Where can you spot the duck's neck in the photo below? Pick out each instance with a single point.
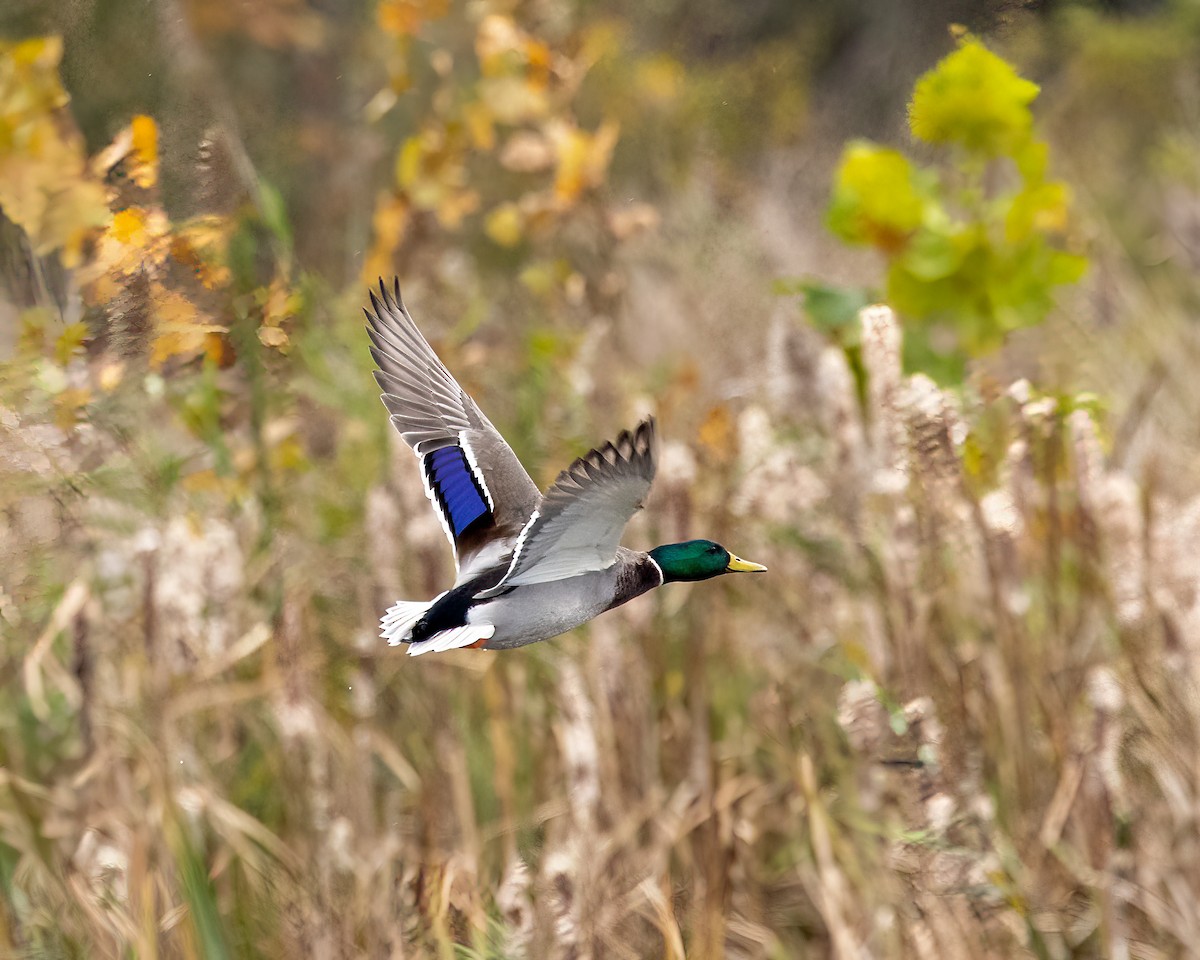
(633, 578)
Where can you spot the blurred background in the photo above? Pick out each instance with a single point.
(961, 715)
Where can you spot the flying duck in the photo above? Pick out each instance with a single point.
(530, 565)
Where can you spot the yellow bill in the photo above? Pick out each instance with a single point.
(738, 565)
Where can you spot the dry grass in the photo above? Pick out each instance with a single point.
(958, 720)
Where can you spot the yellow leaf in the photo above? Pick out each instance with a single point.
(174, 343)
(537, 57)
(104, 289)
(45, 187)
(973, 98)
(180, 328)
(875, 197)
(201, 245)
(219, 350)
(70, 342)
(603, 143)
(572, 147)
(1040, 208)
(173, 309)
(478, 119)
(68, 405)
(390, 220)
(398, 17)
(145, 138)
(408, 162)
(402, 18)
(145, 148)
(504, 225)
(44, 52)
(431, 172)
(389, 225)
(582, 159)
(129, 226)
(279, 302)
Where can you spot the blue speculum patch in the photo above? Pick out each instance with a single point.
(450, 477)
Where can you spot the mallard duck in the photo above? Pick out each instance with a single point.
(530, 565)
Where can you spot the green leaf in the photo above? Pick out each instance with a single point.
(1039, 208)
(971, 254)
(198, 893)
(919, 353)
(1066, 268)
(833, 309)
(933, 254)
(274, 213)
(70, 342)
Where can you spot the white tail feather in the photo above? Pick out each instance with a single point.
(453, 638)
(397, 625)
(401, 617)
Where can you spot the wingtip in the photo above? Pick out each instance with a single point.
(646, 435)
(389, 298)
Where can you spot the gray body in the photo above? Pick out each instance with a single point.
(543, 610)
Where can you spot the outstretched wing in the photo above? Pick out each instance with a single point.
(477, 486)
(577, 527)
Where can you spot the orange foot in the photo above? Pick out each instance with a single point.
(477, 645)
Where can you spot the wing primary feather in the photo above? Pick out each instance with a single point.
(578, 525)
(387, 297)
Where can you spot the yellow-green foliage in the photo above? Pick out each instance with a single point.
(43, 188)
(974, 99)
(974, 243)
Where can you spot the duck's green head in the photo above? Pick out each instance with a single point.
(699, 560)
